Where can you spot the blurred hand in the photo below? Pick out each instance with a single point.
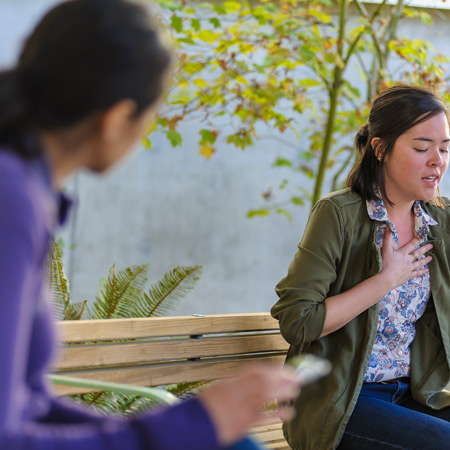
(235, 405)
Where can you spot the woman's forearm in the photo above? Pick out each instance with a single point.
(342, 308)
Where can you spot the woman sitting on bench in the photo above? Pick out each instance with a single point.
(369, 288)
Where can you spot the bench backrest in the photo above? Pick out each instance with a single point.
(166, 350)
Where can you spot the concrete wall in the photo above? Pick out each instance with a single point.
(171, 207)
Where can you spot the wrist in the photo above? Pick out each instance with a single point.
(384, 283)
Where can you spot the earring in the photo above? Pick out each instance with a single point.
(379, 159)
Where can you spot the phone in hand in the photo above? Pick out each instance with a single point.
(309, 368)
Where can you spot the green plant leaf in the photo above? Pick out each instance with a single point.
(174, 137)
(166, 294)
(57, 281)
(207, 137)
(195, 24)
(177, 23)
(215, 22)
(120, 292)
(286, 213)
(258, 212)
(280, 162)
(74, 311)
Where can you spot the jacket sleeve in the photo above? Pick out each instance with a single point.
(71, 427)
(55, 425)
(301, 309)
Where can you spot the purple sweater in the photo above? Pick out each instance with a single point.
(31, 418)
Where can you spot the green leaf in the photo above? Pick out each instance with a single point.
(323, 17)
(174, 137)
(195, 24)
(280, 162)
(297, 201)
(167, 293)
(426, 18)
(215, 22)
(74, 311)
(57, 281)
(185, 391)
(207, 137)
(258, 212)
(285, 213)
(162, 122)
(177, 23)
(120, 292)
(219, 9)
(170, 5)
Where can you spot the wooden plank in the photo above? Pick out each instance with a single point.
(156, 375)
(112, 329)
(132, 353)
(283, 445)
(275, 425)
(271, 436)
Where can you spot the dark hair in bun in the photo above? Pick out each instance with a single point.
(83, 57)
(393, 112)
(361, 138)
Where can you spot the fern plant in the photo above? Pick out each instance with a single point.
(59, 286)
(122, 295)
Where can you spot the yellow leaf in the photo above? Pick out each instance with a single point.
(207, 151)
(241, 79)
(200, 82)
(208, 36)
(232, 7)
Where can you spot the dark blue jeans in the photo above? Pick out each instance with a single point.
(387, 418)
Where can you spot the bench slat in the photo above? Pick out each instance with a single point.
(275, 425)
(113, 329)
(156, 375)
(271, 436)
(133, 353)
(282, 445)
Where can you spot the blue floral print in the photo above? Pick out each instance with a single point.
(400, 309)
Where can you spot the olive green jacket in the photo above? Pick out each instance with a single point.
(338, 251)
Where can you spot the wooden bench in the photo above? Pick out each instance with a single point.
(169, 350)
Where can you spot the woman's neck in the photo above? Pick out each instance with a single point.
(402, 216)
(66, 151)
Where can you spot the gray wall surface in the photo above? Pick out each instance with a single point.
(171, 207)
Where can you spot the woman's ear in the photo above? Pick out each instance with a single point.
(114, 121)
(377, 147)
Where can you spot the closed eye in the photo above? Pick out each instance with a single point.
(421, 150)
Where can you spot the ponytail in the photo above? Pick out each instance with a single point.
(14, 132)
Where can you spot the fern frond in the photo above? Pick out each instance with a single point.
(74, 311)
(57, 281)
(165, 295)
(116, 403)
(187, 390)
(120, 292)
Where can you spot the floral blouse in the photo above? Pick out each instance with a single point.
(400, 308)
